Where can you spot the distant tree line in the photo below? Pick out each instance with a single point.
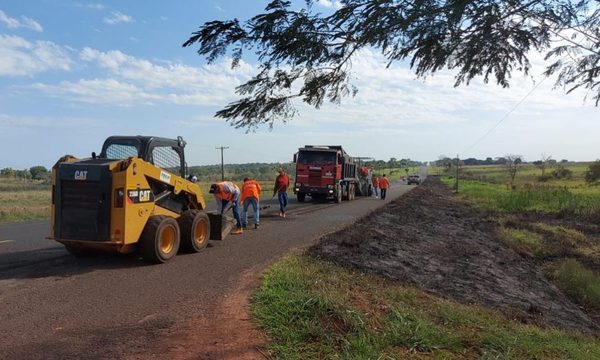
(237, 172)
(35, 173)
(392, 163)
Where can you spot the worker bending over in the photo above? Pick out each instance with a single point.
(226, 192)
(251, 197)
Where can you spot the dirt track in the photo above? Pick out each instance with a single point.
(429, 239)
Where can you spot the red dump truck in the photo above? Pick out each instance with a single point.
(327, 171)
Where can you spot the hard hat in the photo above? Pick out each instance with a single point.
(194, 178)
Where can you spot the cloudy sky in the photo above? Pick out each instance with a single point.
(74, 72)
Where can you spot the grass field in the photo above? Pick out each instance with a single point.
(317, 310)
(24, 200)
(568, 257)
(488, 188)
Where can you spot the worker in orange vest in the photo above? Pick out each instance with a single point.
(375, 181)
(250, 197)
(226, 192)
(384, 184)
(282, 181)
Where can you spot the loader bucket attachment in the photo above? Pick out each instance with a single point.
(220, 226)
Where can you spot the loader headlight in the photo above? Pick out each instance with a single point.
(298, 184)
(330, 186)
(331, 191)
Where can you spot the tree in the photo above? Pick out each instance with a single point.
(593, 172)
(307, 55)
(562, 172)
(543, 163)
(39, 172)
(512, 166)
(7, 173)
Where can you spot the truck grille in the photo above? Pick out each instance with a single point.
(82, 215)
(314, 178)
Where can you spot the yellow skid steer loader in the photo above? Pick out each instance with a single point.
(132, 196)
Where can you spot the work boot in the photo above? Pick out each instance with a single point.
(237, 231)
(282, 214)
(244, 227)
(256, 226)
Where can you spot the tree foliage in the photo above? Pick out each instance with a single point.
(308, 55)
(39, 173)
(593, 172)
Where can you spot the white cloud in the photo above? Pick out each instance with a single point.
(24, 22)
(131, 81)
(117, 17)
(335, 4)
(23, 58)
(95, 6)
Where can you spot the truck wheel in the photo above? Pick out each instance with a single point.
(195, 230)
(160, 239)
(301, 197)
(338, 195)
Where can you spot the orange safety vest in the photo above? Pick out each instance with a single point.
(227, 191)
(251, 189)
(384, 183)
(375, 181)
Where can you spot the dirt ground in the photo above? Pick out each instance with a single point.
(430, 239)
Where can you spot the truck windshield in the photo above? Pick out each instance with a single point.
(316, 158)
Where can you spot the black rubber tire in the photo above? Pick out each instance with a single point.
(150, 245)
(195, 230)
(301, 196)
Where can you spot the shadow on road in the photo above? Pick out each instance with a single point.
(57, 262)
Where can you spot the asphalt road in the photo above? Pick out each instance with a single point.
(56, 306)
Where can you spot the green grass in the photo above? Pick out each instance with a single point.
(579, 283)
(548, 244)
(22, 200)
(530, 197)
(524, 241)
(317, 310)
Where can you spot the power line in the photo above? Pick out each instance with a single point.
(222, 166)
(505, 115)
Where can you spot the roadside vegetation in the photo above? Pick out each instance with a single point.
(550, 215)
(314, 309)
(24, 199)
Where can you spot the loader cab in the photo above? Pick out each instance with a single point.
(168, 154)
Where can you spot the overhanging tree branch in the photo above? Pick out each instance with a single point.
(311, 53)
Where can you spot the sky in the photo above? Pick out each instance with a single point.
(73, 73)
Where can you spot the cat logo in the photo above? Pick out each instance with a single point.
(140, 196)
(80, 174)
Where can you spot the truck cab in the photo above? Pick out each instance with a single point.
(324, 171)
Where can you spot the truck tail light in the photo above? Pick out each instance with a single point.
(119, 197)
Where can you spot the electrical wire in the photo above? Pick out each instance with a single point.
(505, 116)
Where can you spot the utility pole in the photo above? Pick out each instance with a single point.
(222, 166)
(456, 173)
